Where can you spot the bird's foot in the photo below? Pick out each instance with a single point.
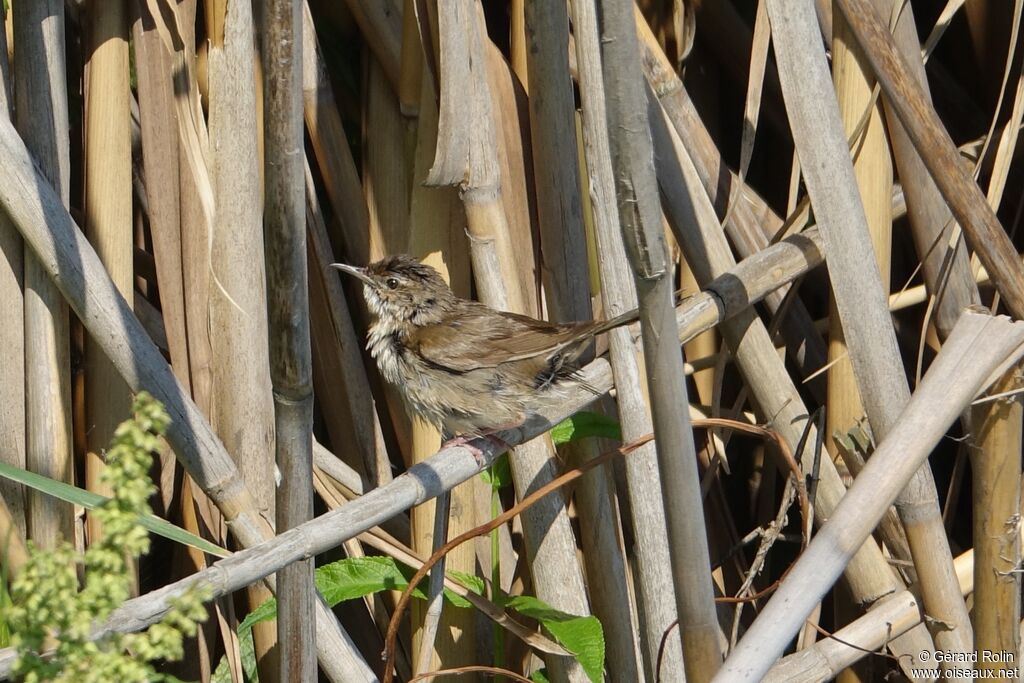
(465, 440)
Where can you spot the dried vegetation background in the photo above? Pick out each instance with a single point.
(836, 187)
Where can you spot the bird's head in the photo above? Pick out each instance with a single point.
(402, 289)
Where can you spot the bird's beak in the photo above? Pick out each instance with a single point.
(355, 272)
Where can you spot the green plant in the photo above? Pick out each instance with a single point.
(51, 610)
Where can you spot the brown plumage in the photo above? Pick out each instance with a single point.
(457, 363)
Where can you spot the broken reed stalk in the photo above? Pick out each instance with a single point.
(996, 488)
(933, 144)
(980, 347)
(12, 332)
(640, 219)
(40, 85)
(652, 570)
(291, 361)
(67, 257)
(695, 226)
(862, 301)
(108, 221)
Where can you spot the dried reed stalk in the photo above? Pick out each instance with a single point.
(411, 63)
(12, 332)
(243, 411)
(996, 488)
(873, 170)
(981, 346)
(653, 568)
(291, 362)
(640, 218)
(160, 164)
(380, 22)
(13, 552)
(108, 220)
(42, 119)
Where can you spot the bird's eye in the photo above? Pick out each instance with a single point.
(392, 283)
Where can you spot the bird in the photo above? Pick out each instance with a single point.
(460, 365)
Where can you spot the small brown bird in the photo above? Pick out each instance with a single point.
(460, 365)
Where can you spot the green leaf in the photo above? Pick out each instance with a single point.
(540, 676)
(583, 636)
(470, 581)
(499, 474)
(91, 501)
(355, 577)
(584, 424)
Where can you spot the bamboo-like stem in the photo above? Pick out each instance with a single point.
(291, 362)
(42, 119)
(64, 253)
(979, 347)
(996, 482)
(965, 199)
(108, 220)
(243, 410)
(946, 268)
(640, 219)
(12, 331)
(862, 302)
(656, 611)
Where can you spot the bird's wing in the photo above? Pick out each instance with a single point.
(495, 339)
